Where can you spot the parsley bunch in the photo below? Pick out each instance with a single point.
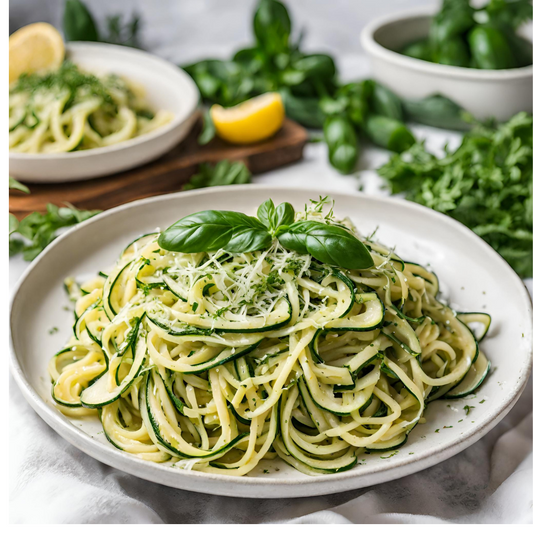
(485, 184)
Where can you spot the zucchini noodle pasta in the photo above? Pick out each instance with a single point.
(70, 110)
(215, 361)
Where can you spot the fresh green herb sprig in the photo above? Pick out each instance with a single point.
(208, 231)
(39, 230)
(79, 25)
(486, 184)
(223, 173)
(477, 37)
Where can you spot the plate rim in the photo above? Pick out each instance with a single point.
(240, 486)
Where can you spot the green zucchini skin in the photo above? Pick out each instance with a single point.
(213, 363)
(469, 385)
(97, 395)
(467, 318)
(265, 329)
(389, 133)
(139, 241)
(375, 321)
(438, 111)
(153, 424)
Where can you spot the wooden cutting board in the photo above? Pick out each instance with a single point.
(164, 175)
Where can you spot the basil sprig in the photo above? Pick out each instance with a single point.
(208, 231)
(275, 217)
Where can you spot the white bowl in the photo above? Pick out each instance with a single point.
(167, 87)
(484, 93)
(474, 276)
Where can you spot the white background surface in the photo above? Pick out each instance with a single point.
(53, 482)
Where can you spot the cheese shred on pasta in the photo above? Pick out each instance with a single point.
(216, 361)
(70, 110)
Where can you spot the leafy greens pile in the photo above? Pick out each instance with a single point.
(485, 184)
(309, 87)
(484, 37)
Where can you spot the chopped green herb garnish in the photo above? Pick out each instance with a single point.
(468, 408)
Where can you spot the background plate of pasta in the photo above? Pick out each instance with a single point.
(270, 342)
(107, 108)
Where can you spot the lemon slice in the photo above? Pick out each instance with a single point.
(249, 122)
(35, 48)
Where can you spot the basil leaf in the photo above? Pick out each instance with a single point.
(248, 240)
(272, 27)
(265, 212)
(329, 244)
(284, 215)
(275, 217)
(208, 231)
(78, 23)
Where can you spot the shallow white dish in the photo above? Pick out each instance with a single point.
(472, 275)
(167, 87)
(484, 93)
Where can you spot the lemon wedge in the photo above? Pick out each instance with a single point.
(35, 48)
(249, 122)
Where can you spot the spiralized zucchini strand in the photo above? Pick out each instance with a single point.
(216, 361)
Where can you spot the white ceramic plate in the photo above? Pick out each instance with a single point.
(484, 93)
(167, 87)
(471, 273)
